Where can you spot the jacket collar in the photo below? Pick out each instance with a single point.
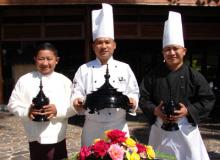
(110, 61)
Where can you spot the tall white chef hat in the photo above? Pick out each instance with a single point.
(102, 22)
(173, 31)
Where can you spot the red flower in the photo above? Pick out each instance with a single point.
(141, 148)
(116, 136)
(100, 148)
(84, 152)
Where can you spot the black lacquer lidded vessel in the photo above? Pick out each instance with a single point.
(169, 109)
(39, 101)
(106, 97)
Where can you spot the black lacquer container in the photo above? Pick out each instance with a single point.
(39, 101)
(106, 97)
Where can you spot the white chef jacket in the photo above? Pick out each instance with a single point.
(89, 77)
(57, 88)
(185, 143)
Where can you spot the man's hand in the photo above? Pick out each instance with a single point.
(132, 103)
(78, 103)
(158, 111)
(181, 112)
(49, 111)
(33, 112)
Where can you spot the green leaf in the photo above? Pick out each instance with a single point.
(164, 156)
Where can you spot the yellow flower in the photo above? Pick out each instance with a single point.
(132, 156)
(135, 156)
(96, 140)
(128, 155)
(150, 152)
(107, 131)
(130, 142)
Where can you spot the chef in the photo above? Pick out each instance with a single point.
(189, 90)
(90, 76)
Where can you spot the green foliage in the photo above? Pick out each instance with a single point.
(164, 156)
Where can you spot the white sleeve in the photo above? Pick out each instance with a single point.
(78, 87)
(132, 89)
(18, 103)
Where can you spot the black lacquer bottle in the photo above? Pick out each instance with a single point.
(169, 109)
(39, 101)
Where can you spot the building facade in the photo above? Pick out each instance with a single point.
(138, 32)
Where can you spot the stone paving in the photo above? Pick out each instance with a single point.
(14, 145)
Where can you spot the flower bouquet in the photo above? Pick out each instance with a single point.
(115, 146)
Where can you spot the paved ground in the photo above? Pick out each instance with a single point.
(14, 146)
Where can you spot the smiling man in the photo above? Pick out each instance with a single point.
(47, 139)
(90, 77)
(175, 84)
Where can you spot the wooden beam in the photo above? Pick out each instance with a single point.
(143, 2)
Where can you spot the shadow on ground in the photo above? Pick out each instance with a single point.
(76, 120)
(214, 156)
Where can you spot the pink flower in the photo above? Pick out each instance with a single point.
(84, 152)
(116, 146)
(116, 136)
(116, 152)
(100, 148)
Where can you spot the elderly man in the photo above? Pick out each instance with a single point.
(174, 85)
(90, 77)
